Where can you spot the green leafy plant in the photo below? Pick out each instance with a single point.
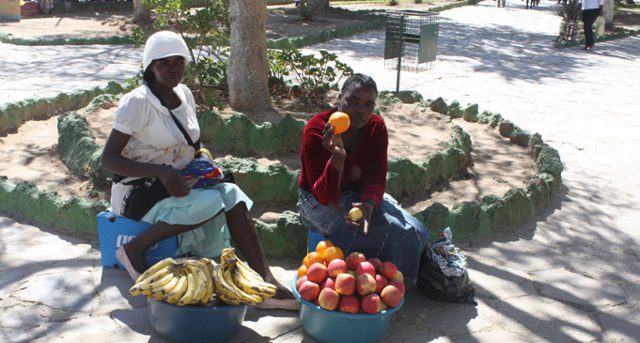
(206, 31)
(392, 3)
(570, 12)
(307, 76)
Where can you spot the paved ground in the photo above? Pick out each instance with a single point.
(572, 275)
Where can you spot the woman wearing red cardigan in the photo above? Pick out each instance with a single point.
(341, 171)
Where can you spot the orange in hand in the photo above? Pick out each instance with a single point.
(340, 122)
(312, 258)
(332, 253)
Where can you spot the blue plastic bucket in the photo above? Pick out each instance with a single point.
(196, 323)
(333, 326)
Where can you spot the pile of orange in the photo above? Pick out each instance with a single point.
(325, 252)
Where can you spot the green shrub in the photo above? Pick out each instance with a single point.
(313, 76)
(308, 9)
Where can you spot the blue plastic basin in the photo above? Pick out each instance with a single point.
(333, 326)
(196, 323)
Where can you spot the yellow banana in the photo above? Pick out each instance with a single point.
(208, 273)
(177, 293)
(160, 292)
(188, 296)
(252, 287)
(224, 291)
(244, 296)
(156, 267)
(198, 269)
(149, 282)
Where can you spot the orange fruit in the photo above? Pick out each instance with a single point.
(332, 253)
(302, 271)
(312, 258)
(340, 122)
(323, 245)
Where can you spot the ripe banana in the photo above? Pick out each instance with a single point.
(156, 267)
(224, 291)
(144, 285)
(244, 296)
(161, 292)
(188, 296)
(262, 289)
(178, 291)
(208, 273)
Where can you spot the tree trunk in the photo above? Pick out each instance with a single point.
(141, 13)
(248, 69)
(608, 13)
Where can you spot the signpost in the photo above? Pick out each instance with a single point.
(411, 41)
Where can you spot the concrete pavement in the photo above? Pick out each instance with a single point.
(571, 275)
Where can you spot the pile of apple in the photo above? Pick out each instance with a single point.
(354, 285)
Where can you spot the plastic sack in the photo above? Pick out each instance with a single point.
(599, 26)
(443, 272)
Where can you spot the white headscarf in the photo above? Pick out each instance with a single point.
(164, 44)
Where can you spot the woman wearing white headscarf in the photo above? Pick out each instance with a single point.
(155, 134)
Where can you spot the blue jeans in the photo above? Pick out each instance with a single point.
(394, 234)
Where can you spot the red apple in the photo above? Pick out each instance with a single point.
(388, 270)
(328, 299)
(345, 284)
(317, 273)
(336, 266)
(328, 283)
(366, 267)
(398, 284)
(365, 284)
(381, 282)
(398, 276)
(300, 281)
(391, 296)
(354, 259)
(309, 290)
(376, 263)
(371, 304)
(349, 304)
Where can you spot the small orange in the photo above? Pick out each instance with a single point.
(340, 122)
(322, 245)
(302, 271)
(332, 253)
(312, 258)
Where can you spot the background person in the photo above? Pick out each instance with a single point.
(146, 142)
(591, 10)
(350, 169)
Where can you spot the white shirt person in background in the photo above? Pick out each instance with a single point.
(591, 10)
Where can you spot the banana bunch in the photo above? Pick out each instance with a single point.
(236, 283)
(180, 282)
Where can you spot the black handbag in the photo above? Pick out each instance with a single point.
(144, 194)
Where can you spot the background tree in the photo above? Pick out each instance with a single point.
(608, 13)
(141, 14)
(248, 70)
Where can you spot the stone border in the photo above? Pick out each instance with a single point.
(12, 115)
(286, 237)
(471, 220)
(377, 21)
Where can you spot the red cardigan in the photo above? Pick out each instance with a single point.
(319, 177)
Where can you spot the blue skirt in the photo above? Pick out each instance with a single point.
(394, 234)
(200, 205)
